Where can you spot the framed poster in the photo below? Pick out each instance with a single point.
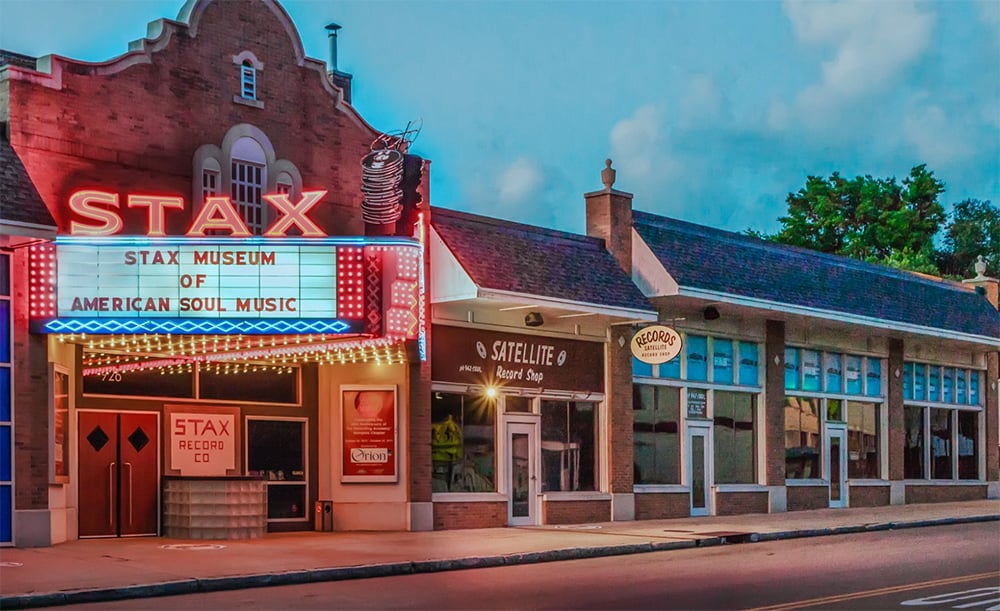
(59, 414)
(697, 403)
(369, 434)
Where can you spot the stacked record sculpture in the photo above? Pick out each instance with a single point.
(381, 173)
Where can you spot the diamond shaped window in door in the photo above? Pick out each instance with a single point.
(98, 438)
(138, 439)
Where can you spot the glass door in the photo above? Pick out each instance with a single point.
(836, 465)
(699, 469)
(522, 473)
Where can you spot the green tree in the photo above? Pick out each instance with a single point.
(973, 229)
(878, 220)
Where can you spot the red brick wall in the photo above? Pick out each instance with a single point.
(657, 505)
(808, 497)
(944, 494)
(868, 496)
(992, 417)
(619, 400)
(31, 398)
(136, 130)
(575, 512)
(774, 408)
(448, 516)
(736, 503)
(897, 426)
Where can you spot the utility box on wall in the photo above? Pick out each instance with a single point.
(324, 516)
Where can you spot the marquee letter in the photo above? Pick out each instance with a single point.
(156, 207)
(227, 219)
(295, 214)
(82, 202)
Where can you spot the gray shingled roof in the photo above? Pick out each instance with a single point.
(19, 200)
(710, 259)
(506, 256)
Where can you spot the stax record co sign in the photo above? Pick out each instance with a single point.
(656, 344)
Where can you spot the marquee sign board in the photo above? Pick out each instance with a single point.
(167, 279)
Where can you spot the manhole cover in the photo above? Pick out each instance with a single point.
(193, 546)
(10, 565)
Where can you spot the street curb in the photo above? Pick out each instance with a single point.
(392, 569)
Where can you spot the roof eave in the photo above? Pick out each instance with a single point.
(857, 319)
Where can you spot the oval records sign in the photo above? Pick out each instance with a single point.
(656, 344)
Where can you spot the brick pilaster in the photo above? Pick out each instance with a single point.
(619, 401)
(897, 425)
(774, 407)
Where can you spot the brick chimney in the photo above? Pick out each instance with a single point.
(609, 217)
(340, 79)
(986, 286)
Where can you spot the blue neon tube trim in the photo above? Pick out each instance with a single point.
(262, 326)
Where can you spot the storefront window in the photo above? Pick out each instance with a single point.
(162, 382)
(933, 383)
(941, 450)
(833, 367)
(974, 388)
(463, 443)
(671, 369)
(834, 410)
(249, 384)
(948, 386)
(734, 437)
(968, 441)
(913, 457)
(516, 404)
(919, 389)
(791, 368)
(862, 440)
(908, 381)
(641, 369)
(853, 369)
(873, 377)
(655, 426)
(749, 366)
(276, 452)
(569, 452)
(811, 370)
(960, 386)
(802, 440)
(697, 358)
(722, 361)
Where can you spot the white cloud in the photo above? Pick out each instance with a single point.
(702, 101)
(639, 150)
(520, 181)
(989, 11)
(938, 139)
(874, 41)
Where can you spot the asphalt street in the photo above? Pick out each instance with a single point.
(928, 568)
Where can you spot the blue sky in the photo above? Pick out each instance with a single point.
(711, 110)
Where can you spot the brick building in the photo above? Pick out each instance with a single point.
(232, 305)
(224, 293)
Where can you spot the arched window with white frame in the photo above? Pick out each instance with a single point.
(248, 178)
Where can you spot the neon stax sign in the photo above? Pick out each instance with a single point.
(218, 214)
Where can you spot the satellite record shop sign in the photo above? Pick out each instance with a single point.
(656, 344)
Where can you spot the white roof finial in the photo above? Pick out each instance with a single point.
(980, 268)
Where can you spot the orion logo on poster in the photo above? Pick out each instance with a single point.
(370, 455)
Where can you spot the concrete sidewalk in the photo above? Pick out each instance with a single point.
(111, 569)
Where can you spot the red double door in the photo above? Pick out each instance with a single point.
(119, 479)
